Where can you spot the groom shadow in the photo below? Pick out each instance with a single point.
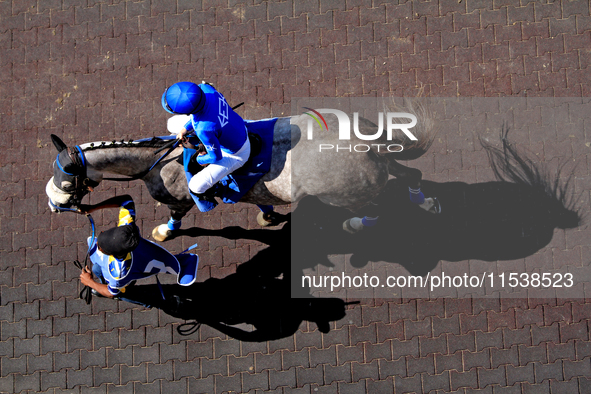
(259, 293)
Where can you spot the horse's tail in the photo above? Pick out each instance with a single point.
(510, 165)
(401, 147)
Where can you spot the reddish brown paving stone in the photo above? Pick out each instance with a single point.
(96, 72)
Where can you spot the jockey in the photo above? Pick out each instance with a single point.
(216, 125)
(120, 256)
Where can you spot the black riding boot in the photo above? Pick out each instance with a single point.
(208, 195)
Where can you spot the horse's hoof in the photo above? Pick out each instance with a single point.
(323, 326)
(431, 205)
(161, 233)
(353, 225)
(262, 221)
(268, 219)
(436, 206)
(358, 261)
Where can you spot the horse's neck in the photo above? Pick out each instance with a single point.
(128, 161)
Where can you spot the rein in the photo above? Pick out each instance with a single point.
(170, 145)
(85, 293)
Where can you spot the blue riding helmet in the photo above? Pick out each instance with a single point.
(183, 98)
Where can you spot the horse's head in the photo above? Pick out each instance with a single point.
(70, 181)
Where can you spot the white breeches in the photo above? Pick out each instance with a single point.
(214, 172)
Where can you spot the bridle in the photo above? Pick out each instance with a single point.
(70, 166)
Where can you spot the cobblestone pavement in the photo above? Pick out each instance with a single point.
(91, 70)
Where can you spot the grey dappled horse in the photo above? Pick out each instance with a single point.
(344, 179)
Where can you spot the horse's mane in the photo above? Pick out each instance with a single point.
(154, 142)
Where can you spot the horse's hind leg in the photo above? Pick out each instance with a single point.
(268, 217)
(264, 217)
(412, 177)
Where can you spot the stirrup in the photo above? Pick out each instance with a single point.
(209, 193)
(205, 197)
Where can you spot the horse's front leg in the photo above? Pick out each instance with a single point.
(163, 232)
(412, 177)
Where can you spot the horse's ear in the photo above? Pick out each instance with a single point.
(58, 143)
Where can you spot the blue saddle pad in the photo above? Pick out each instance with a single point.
(236, 185)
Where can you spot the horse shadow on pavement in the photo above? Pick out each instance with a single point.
(507, 219)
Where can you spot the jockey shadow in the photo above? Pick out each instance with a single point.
(259, 293)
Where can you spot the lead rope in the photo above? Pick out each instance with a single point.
(85, 293)
(189, 328)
